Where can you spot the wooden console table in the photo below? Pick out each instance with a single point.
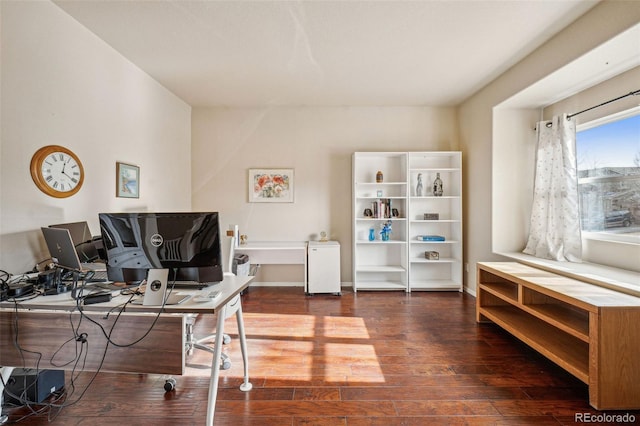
(590, 331)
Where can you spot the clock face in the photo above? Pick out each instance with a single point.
(60, 171)
(57, 171)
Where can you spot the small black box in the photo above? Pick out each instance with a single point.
(37, 385)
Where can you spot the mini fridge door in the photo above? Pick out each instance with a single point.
(323, 263)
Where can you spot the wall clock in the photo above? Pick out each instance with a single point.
(57, 171)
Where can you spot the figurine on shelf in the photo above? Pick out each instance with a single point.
(419, 186)
(386, 231)
(437, 186)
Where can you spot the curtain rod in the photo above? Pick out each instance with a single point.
(637, 92)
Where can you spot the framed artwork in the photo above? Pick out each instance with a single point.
(127, 180)
(271, 185)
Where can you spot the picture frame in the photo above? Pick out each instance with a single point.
(271, 185)
(127, 180)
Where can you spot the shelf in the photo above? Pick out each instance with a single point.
(414, 241)
(380, 183)
(385, 197)
(433, 197)
(435, 221)
(381, 285)
(435, 285)
(505, 291)
(572, 322)
(434, 169)
(568, 352)
(372, 219)
(380, 268)
(386, 243)
(441, 260)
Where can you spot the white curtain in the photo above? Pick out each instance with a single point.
(555, 220)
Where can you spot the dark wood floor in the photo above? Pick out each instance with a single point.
(371, 358)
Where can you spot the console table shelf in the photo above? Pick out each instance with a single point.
(569, 353)
(588, 330)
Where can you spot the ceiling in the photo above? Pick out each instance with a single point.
(324, 53)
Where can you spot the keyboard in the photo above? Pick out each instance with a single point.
(189, 285)
(95, 276)
(111, 285)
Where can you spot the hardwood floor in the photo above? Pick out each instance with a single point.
(371, 358)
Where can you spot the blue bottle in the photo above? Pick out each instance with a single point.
(372, 234)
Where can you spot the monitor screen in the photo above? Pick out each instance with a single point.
(188, 244)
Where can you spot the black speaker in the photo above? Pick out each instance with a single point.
(32, 385)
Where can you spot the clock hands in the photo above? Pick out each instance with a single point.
(64, 166)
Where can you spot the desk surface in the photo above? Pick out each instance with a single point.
(273, 245)
(230, 287)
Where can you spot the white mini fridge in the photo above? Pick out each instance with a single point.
(323, 263)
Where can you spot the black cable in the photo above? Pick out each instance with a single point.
(4, 278)
(123, 307)
(83, 340)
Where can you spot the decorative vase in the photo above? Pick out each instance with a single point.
(379, 177)
(419, 186)
(372, 234)
(437, 186)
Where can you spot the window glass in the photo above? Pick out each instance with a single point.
(608, 152)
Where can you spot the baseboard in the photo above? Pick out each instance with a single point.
(288, 284)
(276, 284)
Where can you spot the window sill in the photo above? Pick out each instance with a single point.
(612, 237)
(614, 278)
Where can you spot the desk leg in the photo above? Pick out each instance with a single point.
(215, 366)
(246, 385)
(6, 374)
(306, 272)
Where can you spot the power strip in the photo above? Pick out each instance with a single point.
(18, 290)
(90, 299)
(23, 277)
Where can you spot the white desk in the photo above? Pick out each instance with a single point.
(63, 304)
(276, 253)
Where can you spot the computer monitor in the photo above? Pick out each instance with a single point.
(82, 240)
(188, 244)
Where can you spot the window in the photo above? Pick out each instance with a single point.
(608, 152)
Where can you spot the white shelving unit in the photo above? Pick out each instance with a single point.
(445, 273)
(377, 264)
(400, 262)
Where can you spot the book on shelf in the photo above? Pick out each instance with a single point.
(430, 238)
(381, 208)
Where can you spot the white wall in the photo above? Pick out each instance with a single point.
(318, 143)
(603, 22)
(63, 85)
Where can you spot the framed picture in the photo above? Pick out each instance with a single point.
(127, 180)
(271, 185)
